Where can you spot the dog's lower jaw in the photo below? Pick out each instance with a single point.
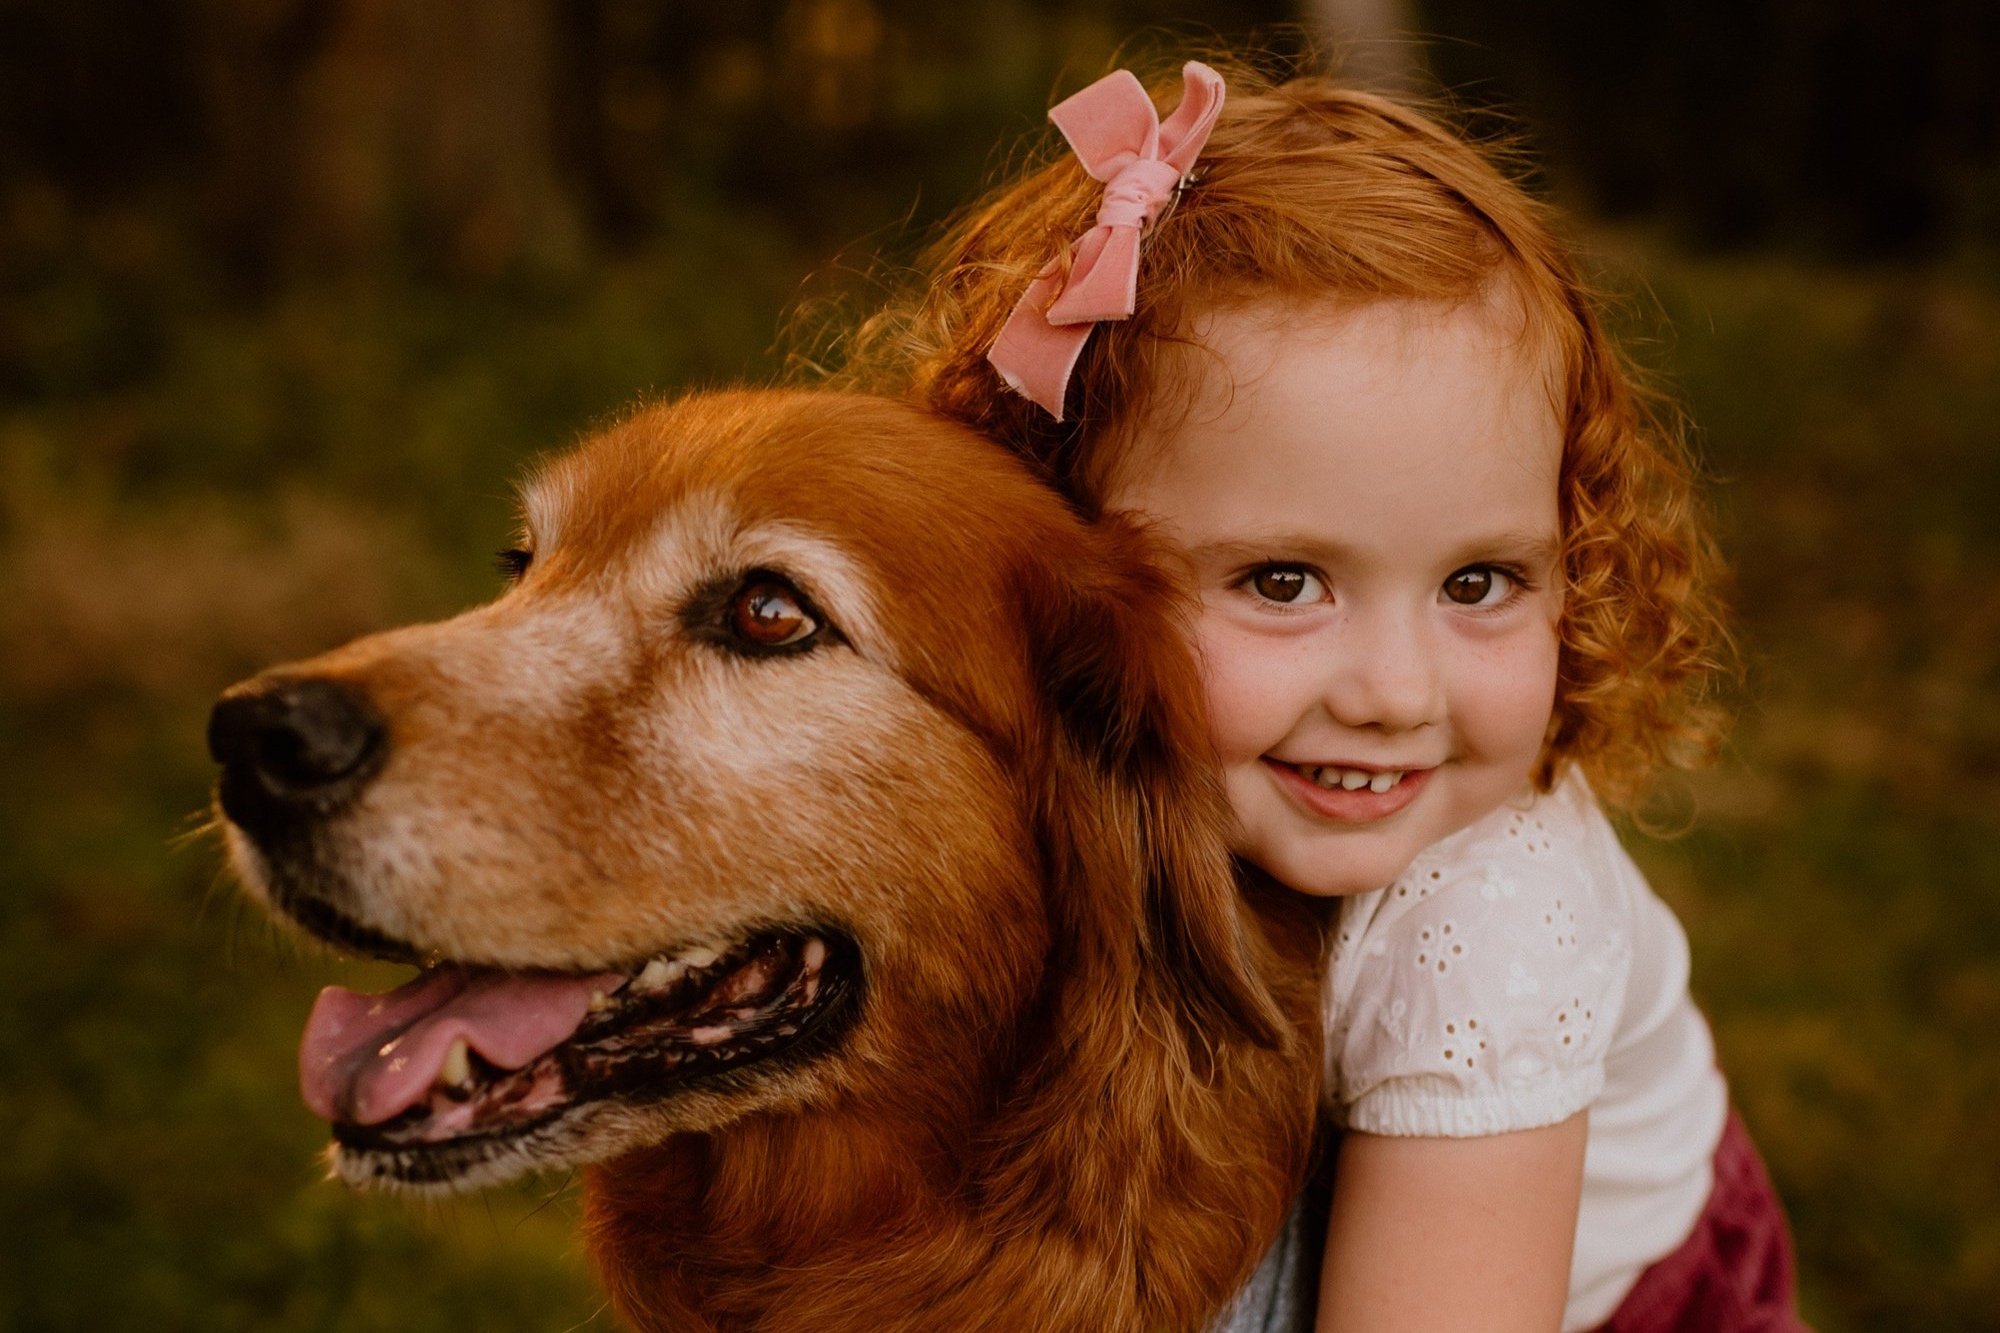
(580, 1135)
(567, 1140)
(971, 1221)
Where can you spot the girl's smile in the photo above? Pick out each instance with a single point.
(1366, 497)
(1348, 793)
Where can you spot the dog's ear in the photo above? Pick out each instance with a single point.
(1134, 811)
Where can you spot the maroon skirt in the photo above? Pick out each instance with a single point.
(1734, 1274)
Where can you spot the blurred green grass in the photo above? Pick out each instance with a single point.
(1842, 883)
(191, 490)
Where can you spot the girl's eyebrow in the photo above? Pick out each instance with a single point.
(1526, 547)
(1532, 548)
(1247, 548)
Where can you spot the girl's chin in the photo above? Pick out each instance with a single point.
(1293, 838)
(1337, 867)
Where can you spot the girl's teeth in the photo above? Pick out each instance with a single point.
(1353, 779)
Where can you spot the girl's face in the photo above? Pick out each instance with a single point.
(1367, 497)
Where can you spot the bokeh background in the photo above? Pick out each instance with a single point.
(291, 290)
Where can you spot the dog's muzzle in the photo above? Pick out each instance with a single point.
(293, 750)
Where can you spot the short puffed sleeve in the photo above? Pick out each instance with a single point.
(1479, 993)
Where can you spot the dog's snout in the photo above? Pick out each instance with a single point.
(293, 748)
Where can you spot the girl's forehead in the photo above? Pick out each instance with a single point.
(1383, 338)
(1425, 414)
(1244, 360)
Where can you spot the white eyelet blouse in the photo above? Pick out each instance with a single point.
(1520, 971)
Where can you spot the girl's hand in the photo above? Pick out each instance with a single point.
(1453, 1234)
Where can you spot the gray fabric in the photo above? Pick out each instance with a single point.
(1282, 1295)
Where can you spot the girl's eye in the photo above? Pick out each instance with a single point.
(1285, 584)
(770, 614)
(513, 563)
(1478, 585)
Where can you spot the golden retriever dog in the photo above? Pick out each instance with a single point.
(818, 840)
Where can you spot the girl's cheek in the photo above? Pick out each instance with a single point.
(1506, 693)
(1241, 688)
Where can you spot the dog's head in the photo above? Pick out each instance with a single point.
(812, 736)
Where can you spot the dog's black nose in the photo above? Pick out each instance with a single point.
(293, 749)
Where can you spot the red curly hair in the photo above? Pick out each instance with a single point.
(1308, 190)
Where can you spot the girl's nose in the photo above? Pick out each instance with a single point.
(1387, 675)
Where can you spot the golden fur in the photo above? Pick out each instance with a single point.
(1078, 1088)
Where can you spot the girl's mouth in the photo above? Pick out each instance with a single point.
(1352, 779)
(1349, 795)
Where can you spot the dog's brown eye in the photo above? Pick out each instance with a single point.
(771, 615)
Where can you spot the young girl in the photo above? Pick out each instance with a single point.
(1454, 591)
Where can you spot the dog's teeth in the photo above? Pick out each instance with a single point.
(815, 952)
(456, 1071)
(659, 974)
(599, 1002)
(699, 956)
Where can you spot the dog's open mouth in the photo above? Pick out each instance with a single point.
(463, 1055)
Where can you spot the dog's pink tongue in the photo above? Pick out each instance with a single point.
(365, 1058)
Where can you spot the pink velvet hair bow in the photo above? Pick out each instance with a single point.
(1121, 141)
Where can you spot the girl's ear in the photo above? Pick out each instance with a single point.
(1133, 810)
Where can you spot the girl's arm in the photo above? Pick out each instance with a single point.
(1453, 1234)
